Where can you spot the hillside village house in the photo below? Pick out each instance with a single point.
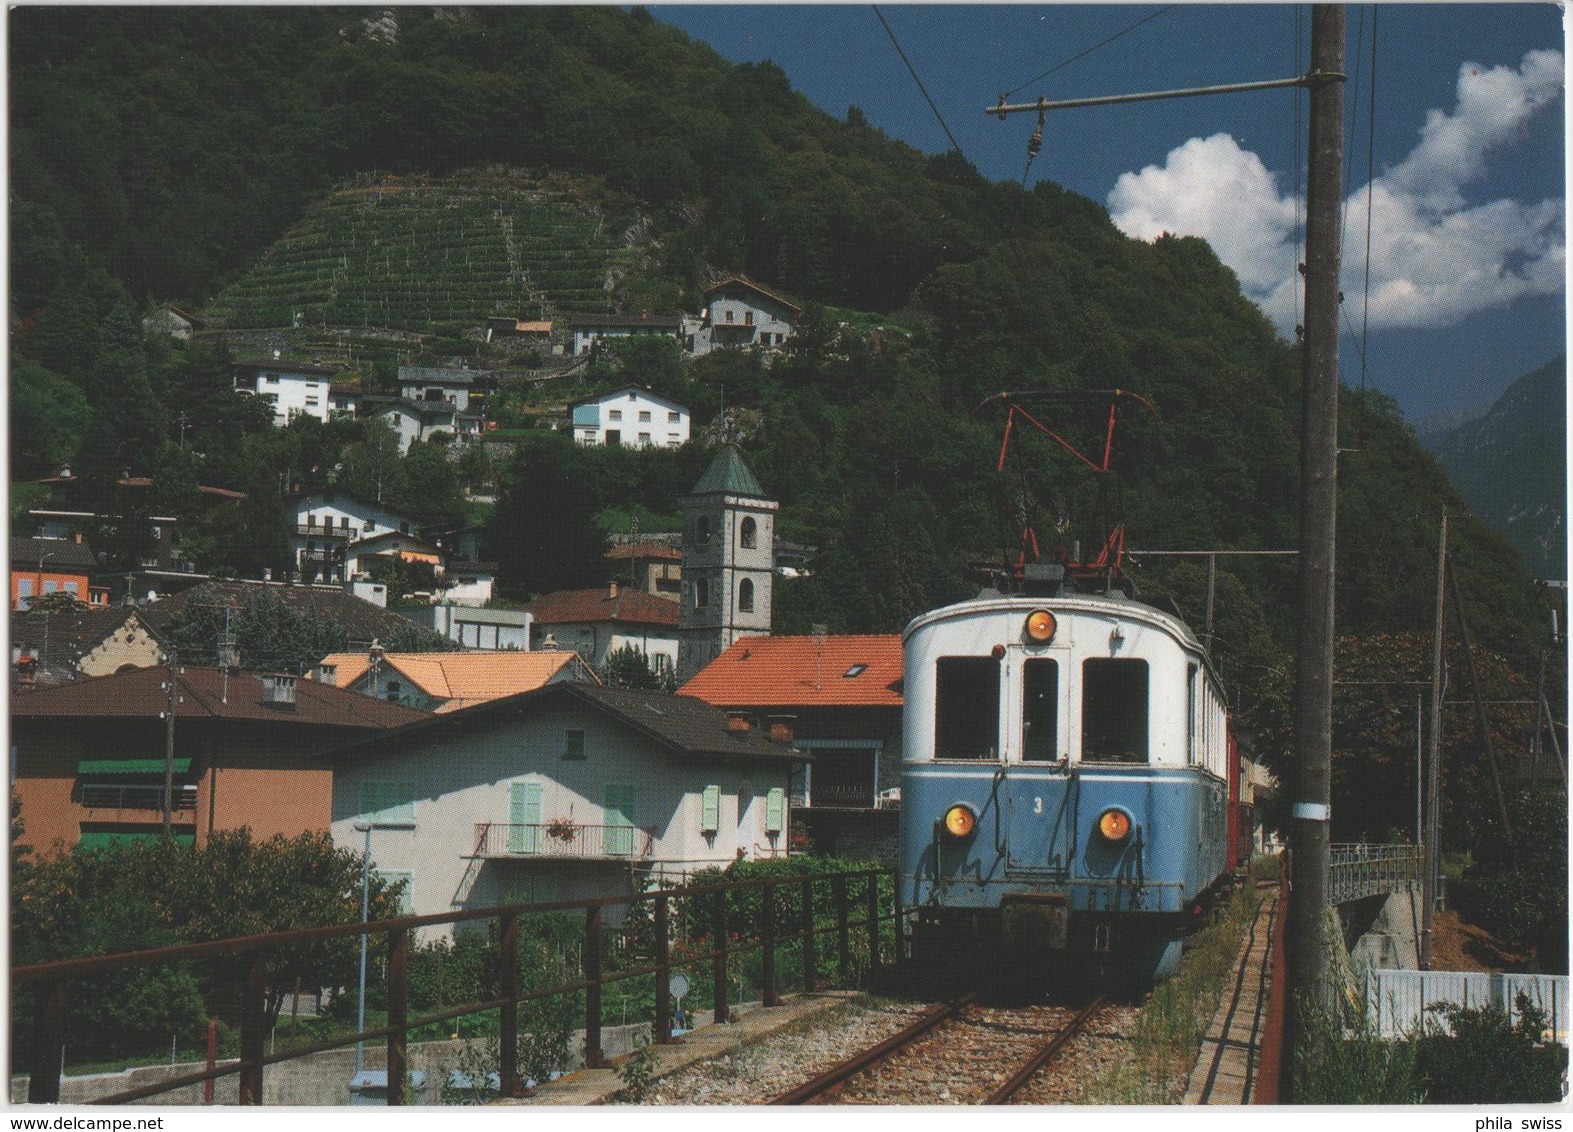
(590, 329)
(414, 421)
(740, 314)
(650, 567)
(68, 646)
(326, 523)
(292, 388)
(448, 681)
(595, 623)
(474, 627)
(631, 416)
(171, 320)
(534, 332)
(89, 757)
(843, 695)
(42, 566)
(574, 791)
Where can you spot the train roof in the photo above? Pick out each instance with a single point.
(1160, 612)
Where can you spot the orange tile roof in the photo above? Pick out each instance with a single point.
(803, 672)
(462, 679)
(662, 551)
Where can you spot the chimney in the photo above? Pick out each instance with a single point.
(549, 644)
(737, 721)
(278, 689)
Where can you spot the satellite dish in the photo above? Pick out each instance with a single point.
(678, 985)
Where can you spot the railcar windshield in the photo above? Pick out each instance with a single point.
(1040, 701)
(1114, 711)
(967, 707)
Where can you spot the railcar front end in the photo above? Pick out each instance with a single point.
(1065, 793)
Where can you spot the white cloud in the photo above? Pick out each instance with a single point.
(1434, 257)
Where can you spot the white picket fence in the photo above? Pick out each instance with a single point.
(1397, 1001)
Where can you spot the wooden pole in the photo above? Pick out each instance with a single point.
(1310, 813)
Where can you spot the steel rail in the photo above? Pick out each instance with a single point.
(830, 1078)
(1038, 1060)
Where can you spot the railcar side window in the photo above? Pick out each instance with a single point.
(1040, 701)
(967, 708)
(1114, 711)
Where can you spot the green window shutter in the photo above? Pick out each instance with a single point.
(621, 811)
(710, 814)
(775, 810)
(524, 817)
(388, 803)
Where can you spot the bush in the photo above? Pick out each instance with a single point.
(1490, 1060)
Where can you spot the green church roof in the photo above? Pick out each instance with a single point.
(728, 475)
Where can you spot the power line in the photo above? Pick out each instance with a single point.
(1088, 51)
(913, 72)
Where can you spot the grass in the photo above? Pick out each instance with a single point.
(1152, 1067)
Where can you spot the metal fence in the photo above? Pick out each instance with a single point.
(1398, 1002)
(1357, 871)
(564, 839)
(754, 936)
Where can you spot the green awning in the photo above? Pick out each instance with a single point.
(128, 766)
(103, 839)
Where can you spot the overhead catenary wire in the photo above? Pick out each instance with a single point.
(1087, 51)
(913, 72)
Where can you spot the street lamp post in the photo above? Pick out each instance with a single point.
(365, 915)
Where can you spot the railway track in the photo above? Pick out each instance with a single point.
(958, 1052)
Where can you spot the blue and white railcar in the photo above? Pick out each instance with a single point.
(1065, 784)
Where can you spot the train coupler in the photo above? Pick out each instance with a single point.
(1035, 920)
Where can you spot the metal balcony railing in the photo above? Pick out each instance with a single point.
(318, 530)
(558, 839)
(140, 797)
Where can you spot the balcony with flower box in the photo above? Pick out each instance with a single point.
(563, 839)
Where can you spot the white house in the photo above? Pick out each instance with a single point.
(475, 628)
(588, 329)
(631, 416)
(456, 387)
(292, 388)
(573, 791)
(738, 313)
(326, 523)
(415, 421)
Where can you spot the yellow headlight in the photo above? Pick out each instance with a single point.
(960, 822)
(1114, 825)
(1041, 626)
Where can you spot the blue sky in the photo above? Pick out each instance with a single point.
(1467, 283)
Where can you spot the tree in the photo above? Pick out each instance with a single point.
(544, 523)
(631, 667)
(268, 632)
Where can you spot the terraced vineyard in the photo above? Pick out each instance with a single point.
(434, 255)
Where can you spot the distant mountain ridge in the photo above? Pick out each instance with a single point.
(1510, 463)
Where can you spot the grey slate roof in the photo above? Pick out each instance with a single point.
(682, 724)
(56, 554)
(363, 622)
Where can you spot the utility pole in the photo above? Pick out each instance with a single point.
(1311, 813)
(1428, 883)
(171, 699)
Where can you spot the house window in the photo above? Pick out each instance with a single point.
(1114, 711)
(573, 744)
(673, 440)
(745, 596)
(388, 804)
(270, 378)
(674, 418)
(748, 318)
(524, 817)
(615, 414)
(748, 533)
(701, 593)
(710, 810)
(312, 402)
(71, 588)
(24, 592)
(644, 440)
(1040, 697)
(404, 880)
(703, 531)
(966, 707)
(644, 416)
